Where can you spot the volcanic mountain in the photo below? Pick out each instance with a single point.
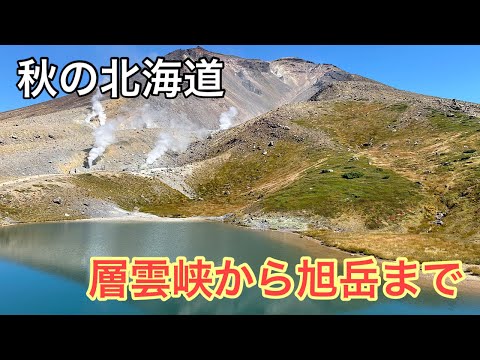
(307, 147)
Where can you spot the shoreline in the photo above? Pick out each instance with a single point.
(145, 219)
(470, 284)
(124, 217)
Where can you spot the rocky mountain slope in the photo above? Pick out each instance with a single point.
(53, 137)
(356, 163)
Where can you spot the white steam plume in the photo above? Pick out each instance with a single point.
(180, 132)
(104, 136)
(176, 135)
(145, 117)
(97, 109)
(226, 118)
(165, 142)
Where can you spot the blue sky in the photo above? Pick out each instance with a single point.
(446, 71)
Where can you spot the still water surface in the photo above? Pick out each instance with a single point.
(44, 269)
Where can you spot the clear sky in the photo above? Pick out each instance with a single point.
(445, 71)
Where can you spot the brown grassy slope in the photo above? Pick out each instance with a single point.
(414, 162)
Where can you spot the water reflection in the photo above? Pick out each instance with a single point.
(55, 256)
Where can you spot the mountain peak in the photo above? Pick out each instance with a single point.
(193, 53)
(294, 59)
